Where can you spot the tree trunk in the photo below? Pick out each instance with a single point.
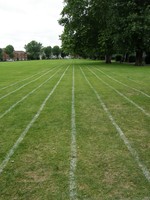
(139, 57)
(127, 57)
(108, 59)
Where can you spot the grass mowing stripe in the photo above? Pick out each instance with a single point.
(23, 134)
(26, 96)
(24, 85)
(123, 83)
(22, 80)
(73, 192)
(122, 135)
(125, 97)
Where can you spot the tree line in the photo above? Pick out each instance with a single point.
(95, 28)
(35, 51)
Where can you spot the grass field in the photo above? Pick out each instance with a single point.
(74, 129)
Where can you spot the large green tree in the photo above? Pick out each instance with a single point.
(34, 50)
(102, 14)
(48, 52)
(132, 26)
(9, 50)
(87, 30)
(63, 54)
(77, 28)
(105, 27)
(56, 51)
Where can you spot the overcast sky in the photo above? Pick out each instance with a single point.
(22, 21)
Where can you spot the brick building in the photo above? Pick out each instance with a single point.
(5, 57)
(18, 55)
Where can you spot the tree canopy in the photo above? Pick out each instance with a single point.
(94, 28)
(9, 50)
(56, 51)
(34, 50)
(48, 51)
(132, 26)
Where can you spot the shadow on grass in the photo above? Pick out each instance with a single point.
(98, 63)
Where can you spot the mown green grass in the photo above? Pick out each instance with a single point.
(40, 166)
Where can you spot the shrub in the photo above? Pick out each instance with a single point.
(132, 58)
(119, 58)
(147, 59)
(102, 57)
(113, 57)
(43, 57)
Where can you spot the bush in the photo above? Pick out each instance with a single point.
(113, 57)
(132, 58)
(102, 57)
(119, 58)
(147, 59)
(43, 57)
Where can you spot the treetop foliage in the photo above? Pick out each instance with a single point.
(9, 50)
(35, 51)
(104, 27)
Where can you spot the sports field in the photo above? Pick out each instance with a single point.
(74, 129)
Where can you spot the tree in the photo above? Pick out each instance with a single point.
(56, 51)
(34, 50)
(48, 52)
(133, 26)
(78, 34)
(102, 27)
(63, 54)
(1, 54)
(102, 13)
(87, 28)
(9, 50)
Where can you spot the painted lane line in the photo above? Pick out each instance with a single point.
(128, 78)
(73, 161)
(123, 83)
(22, 80)
(27, 78)
(26, 96)
(23, 134)
(122, 135)
(125, 97)
(140, 83)
(24, 85)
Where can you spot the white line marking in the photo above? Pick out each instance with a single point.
(23, 134)
(132, 102)
(24, 85)
(139, 83)
(122, 135)
(73, 161)
(123, 83)
(22, 80)
(25, 97)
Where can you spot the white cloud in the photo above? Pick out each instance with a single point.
(25, 20)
